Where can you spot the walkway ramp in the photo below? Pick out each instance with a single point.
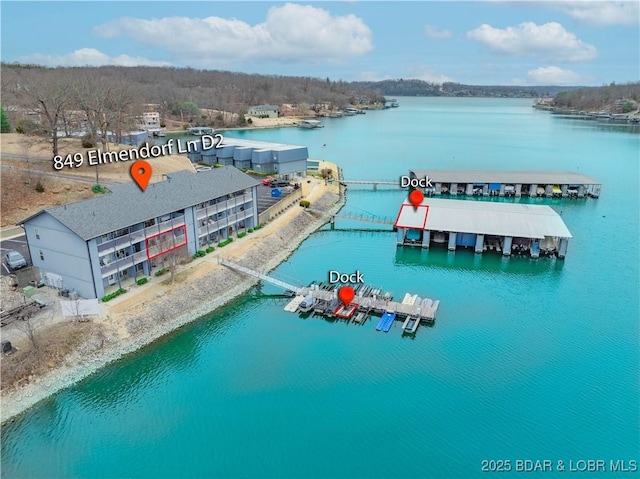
(264, 277)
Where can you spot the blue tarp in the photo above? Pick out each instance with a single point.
(466, 239)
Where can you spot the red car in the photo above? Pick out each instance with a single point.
(267, 180)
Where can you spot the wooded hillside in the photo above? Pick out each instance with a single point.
(598, 98)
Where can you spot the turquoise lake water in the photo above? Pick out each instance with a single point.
(528, 359)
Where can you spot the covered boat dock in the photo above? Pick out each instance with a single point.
(562, 184)
(504, 227)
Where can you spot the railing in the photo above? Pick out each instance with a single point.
(138, 235)
(123, 263)
(224, 222)
(221, 207)
(157, 250)
(120, 242)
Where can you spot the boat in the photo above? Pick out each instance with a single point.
(200, 130)
(307, 304)
(156, 132)
(309, 124)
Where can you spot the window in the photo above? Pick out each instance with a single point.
(41, 255)
(37, 233)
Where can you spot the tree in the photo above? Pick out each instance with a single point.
(5, 127)
(190, 109)
(48, 93)
(29, 326)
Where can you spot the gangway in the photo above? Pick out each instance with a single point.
(385, 220)
(375, 183)
(264, 277)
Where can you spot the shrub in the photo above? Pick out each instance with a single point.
(160, 272)
(305, 203)
(224, 243)
(27, 127)
(98, 189)
(199, 254)
(39, 187)
(257, 227)
(110, 296)
(250, 230)
(250, 121)
(628, 106)
(242, 234)
(88, 141)
(210, 249)
(142, 281)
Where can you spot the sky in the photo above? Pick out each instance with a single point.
(488, 42)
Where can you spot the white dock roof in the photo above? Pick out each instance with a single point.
(483, 217)
(511, 177)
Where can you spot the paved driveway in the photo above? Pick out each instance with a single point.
(18, 244)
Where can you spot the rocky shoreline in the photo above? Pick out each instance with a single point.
(187, 303)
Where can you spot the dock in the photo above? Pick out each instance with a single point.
(536, 230)
(368, 301)
(559, 184)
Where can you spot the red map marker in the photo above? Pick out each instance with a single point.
(141, 173)
(346, 295)
(415, 198)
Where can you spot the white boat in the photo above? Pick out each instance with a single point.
(200, 130)
(307, 304)
(309, 124)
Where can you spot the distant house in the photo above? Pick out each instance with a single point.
(150, 120)
(264, 111)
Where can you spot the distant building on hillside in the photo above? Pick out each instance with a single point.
(264, 111)
(286, 161)
(150, 120)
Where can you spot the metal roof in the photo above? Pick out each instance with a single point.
(264, 107)
(483, 217)
(261, 145)
(515, 177)
(127, 205)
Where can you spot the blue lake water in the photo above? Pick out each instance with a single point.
(528, 359)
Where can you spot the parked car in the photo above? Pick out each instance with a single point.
(15, 260)
(278, 183)
(267, 180)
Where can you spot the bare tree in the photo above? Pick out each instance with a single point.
(29, 325)
(48, 93)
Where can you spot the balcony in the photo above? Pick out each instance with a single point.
(123, 263)
(221, 207)
(224, 222)
(138, 236)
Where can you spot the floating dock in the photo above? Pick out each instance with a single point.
(322, 299)
(562, 184)
(369, 301)
(510, 228)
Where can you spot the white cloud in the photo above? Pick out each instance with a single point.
(436, 32)
(87, 57)
(550, 41)
(427, 73)
(603, 12)
(553, 75)
(291, 32)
